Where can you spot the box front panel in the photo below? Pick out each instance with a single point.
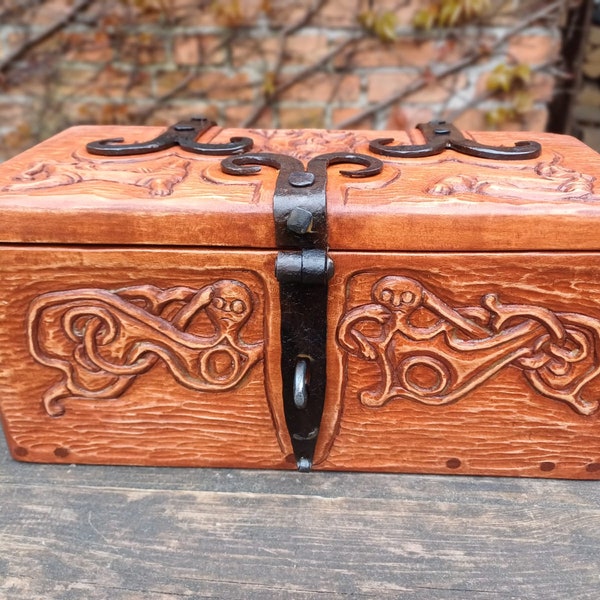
(124, 356)
(464, 363)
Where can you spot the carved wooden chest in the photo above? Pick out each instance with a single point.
(277, 299)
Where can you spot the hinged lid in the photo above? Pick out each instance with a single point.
(58, 192)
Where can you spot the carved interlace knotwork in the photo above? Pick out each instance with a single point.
(305, 144)
(103, 340)
(430, 352)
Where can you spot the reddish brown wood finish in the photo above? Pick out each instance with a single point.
(503, 425)
(158, 418)
(58, 193)
(140, 320)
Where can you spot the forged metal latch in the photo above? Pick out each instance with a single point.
(303, 269)
(440, 135)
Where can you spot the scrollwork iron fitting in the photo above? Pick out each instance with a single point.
(183, 134)
(440, 135)
(303, 269)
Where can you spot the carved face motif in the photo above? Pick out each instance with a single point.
(398, 294)
(230, 305)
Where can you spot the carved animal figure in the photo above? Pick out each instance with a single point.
(432, 353)
(156, 175)
(546, 181)
(103, 340)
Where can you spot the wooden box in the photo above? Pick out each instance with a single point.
(156, 312)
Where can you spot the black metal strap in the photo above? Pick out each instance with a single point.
(303, 269)
(440, 135)
(183, 134)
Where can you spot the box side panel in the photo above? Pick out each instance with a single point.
(147, 357)
(465, 363)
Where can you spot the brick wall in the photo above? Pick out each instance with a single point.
(276, 63)
(587, 111)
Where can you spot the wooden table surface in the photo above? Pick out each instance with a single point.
(72, 532)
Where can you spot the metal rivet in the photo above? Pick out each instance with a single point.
(301, 179)
(453, 463)
(547, 466)
(300, 220)
(304, 464)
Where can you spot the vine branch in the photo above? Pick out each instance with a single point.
(425, 79)
(43, 35)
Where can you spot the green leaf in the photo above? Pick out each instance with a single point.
(425, 19)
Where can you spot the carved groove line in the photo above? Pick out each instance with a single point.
(432, 353)
(103, 340)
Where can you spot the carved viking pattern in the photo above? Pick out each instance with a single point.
(103, 340)
(432, 353)
(157, 176)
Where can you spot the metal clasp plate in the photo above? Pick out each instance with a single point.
(303, 269)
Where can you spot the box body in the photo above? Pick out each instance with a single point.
(141, 317)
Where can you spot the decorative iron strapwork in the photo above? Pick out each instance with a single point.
(184, 134)
(440, 135)
(303, 269)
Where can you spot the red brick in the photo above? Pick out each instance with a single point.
(282, 13)
(534, 49)
(406, 116)
(218, 86)
(115, 83)
(176, 111)
(207, 50)
(325, 88)
(93, 46)
(541, 87)
(13, 113)
(143, 48)
(224, 13)
(439, 91)
(16, 140)
(341, 115)
(472, 119)
(207, 85)
(305, 48)
(511, 13)
(338, 14)
(384, 84)
(534, 120)
(403, 9)
(302, 118)
(236, 116)
(254, 51)
(186, 50)
(371, 53)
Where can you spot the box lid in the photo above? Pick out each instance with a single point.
(59, 193)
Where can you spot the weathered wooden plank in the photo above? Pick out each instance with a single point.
(98, 532)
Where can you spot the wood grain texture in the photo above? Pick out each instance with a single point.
(491, 415)
(108, 354)
(126, 533)
(131, 385)
(446, 202)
